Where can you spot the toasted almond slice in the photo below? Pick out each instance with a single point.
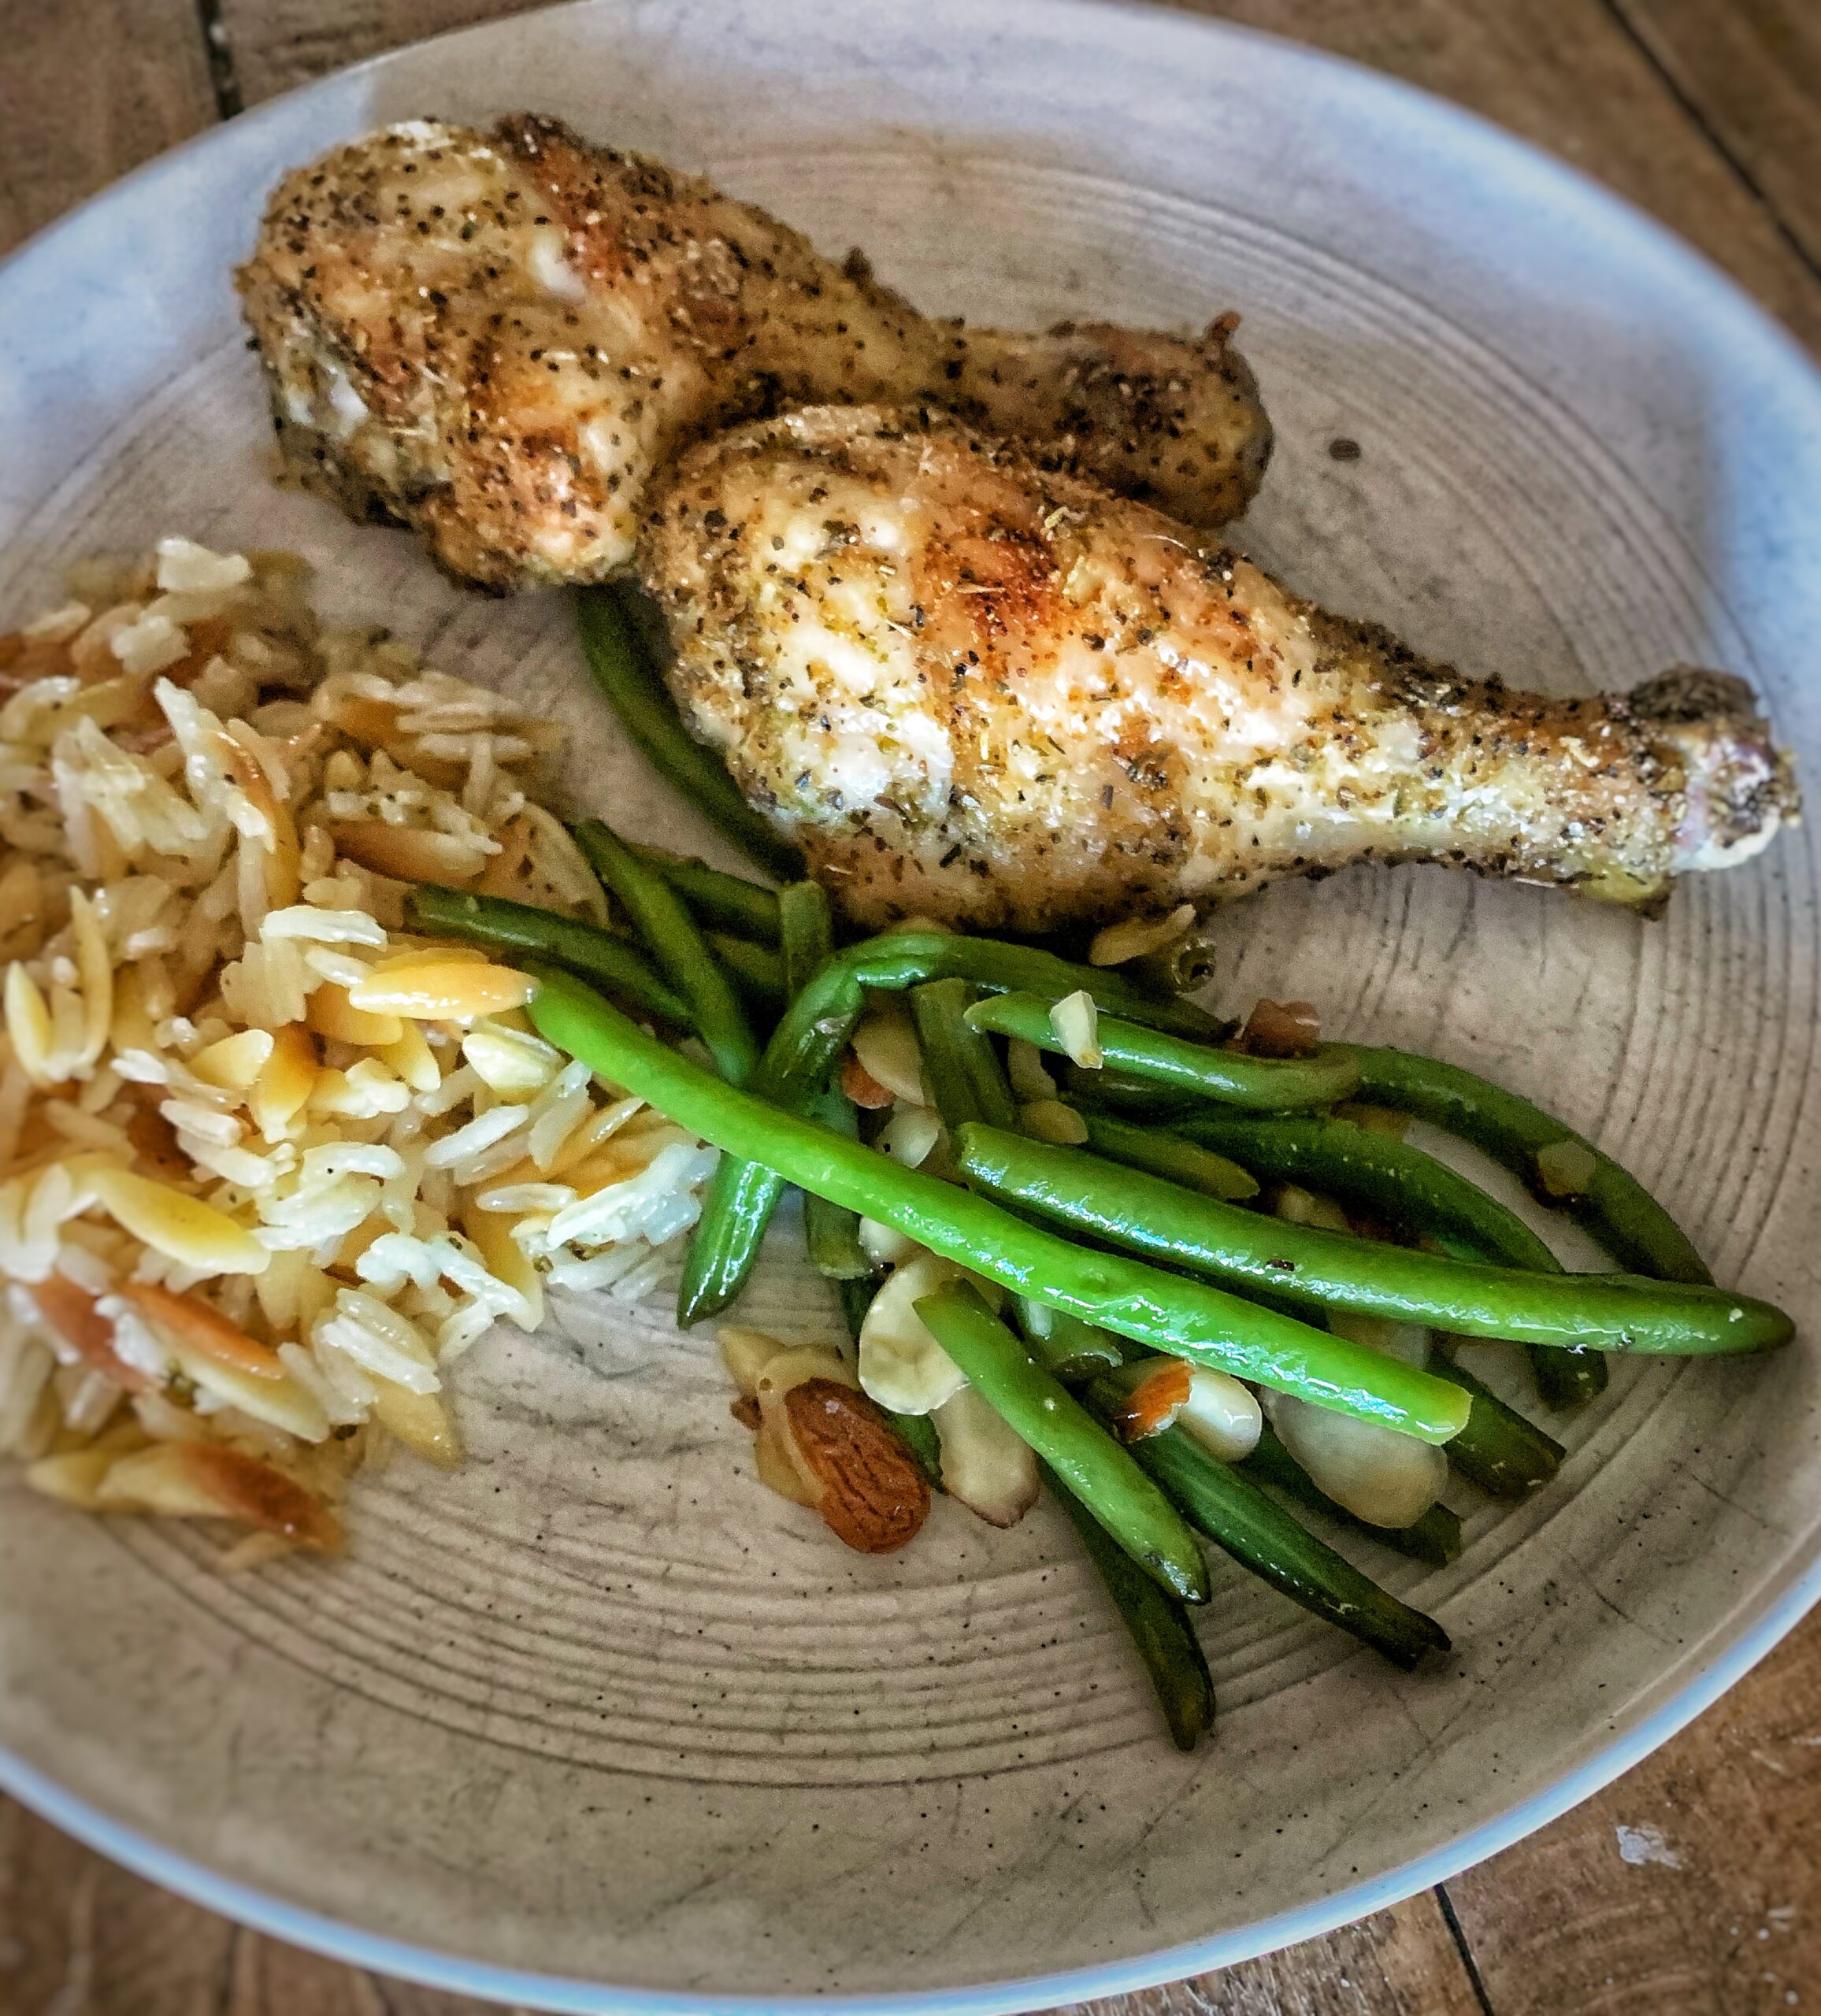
(182, 1229)
(190, 1321)
(862, 1087)
(777, 1471)
(235, 1061)
(70, 1312)
(433, 986)
(207, 1481)
(747, 1352)
(986, 1466)
(885, 1043)
(330, 1012)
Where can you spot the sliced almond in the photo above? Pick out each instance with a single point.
(902, 1365)
(986, 1466)
(862, 1088)
(885, 1041)
(1222, 1414)
(746, 1353)
(778, 1470)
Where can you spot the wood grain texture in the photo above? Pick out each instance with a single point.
(88, 89)
(1751, 70)
(1718, 1909)
(1693, 1883)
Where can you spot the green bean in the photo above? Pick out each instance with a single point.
(1270, 1085)
(1435, 1538)
(1126, 1092)
(965, 1075)
(806, 933)
(1237, 1516)
(1500, 1452)
(1072, 1349)
(1162, 1153)
(743, 1192)
(661, 918)
(602, 956)
(1326, 1270)
(1159, 1309)
(831, 1233)
(635, 689)
(898, 959)
(1044, 1414)
(1360, 1165)
(720, 901)
(1620, 1212)
(1159, 1624)
(756, 971)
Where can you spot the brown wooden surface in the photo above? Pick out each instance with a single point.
(1692, 1886)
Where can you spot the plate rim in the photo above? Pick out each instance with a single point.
(1777, 1611)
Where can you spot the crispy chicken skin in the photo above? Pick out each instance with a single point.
(974, 689)
(498, 338)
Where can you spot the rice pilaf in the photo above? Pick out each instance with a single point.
(268, 1163)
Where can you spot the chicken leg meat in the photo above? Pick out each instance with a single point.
(498, 338)
(971, 687)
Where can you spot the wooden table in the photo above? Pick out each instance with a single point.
(1691, 1887)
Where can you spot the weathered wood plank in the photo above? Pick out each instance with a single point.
(1693, 1883)
(1752, 68)
(88, 89)
(278, 43)
(1399, 1963)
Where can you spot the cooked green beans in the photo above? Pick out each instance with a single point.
(743, 1192)
(1168, 1313)
(1236, 1515)
(1072, 1349)
(1317, 1269)
(806, 933)
(1078, 1449)
(1158, 1623)
(831, 1233)
(1412, 1189)
(1434, 1538)
(756, 971)
(959, 1062)
(661, 918)
(602, 956)
(720, 901)
(1271, 1084)
(1616, 1208)
(1162, 1153)
(898, 959)
(1498, 1450)
(635, 690)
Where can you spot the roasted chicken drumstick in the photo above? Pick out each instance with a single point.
(972, 689)
(499, 337)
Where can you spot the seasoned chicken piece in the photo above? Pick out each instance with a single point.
(499, 337)
(971, 688)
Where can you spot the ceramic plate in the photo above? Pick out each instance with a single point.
(597, 1722)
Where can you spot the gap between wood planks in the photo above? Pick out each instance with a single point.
(1691, 105)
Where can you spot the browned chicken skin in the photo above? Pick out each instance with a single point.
(972, 688)
(499, 338)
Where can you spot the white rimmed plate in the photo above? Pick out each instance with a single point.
(597, 1723)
